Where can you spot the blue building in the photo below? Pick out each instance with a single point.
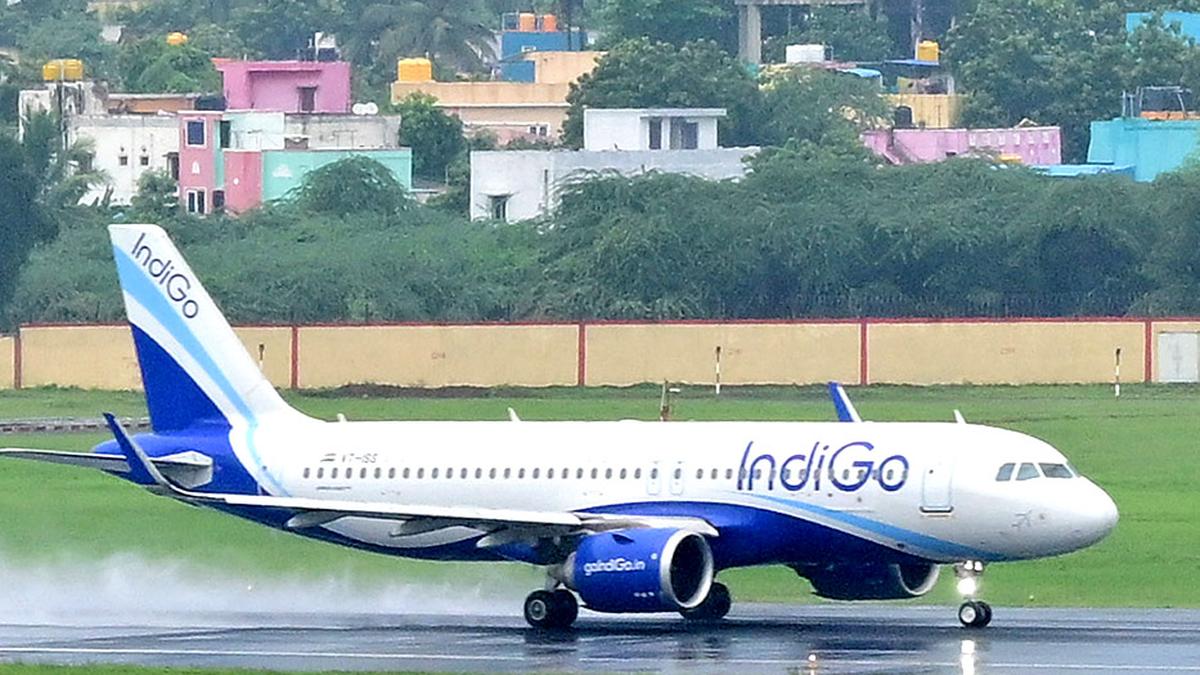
(524, 33)
(1151, 147)
(1189, 22)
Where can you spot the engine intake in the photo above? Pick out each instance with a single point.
(640, 570)
(871, 581)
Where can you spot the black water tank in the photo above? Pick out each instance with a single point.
(903, 117)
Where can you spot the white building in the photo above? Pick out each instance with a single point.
(517, 185)
(125, 147)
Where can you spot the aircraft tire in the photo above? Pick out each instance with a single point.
(975, 614)
(546, 609)
(714, 607)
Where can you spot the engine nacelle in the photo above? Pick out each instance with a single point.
(640, 570)
(871, 581)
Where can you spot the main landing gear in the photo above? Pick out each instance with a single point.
(972, 613)
(714, 607)
(551, 609)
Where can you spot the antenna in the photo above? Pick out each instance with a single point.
(664, 405)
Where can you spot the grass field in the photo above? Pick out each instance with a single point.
(1142, 448)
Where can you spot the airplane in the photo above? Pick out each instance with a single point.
(624, 516)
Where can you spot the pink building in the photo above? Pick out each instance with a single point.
(199, 145)
(287, 86)
(1039, 146)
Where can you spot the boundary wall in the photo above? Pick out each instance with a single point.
(617, 353)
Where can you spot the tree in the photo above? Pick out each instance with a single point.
(152, 65)
(850, 34)
(454, 33)
(352, 185)
(281, 29)
(641, 74)
(436, 138)
(820, 107)
(22, 221)
(156, 199)
(670, 21)
(1060, 62)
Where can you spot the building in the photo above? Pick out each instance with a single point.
(237, 160)
(538, 63)
(1151, 147)
(286, 86)
(1040, 146)
(517, 185)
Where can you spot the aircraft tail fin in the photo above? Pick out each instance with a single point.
(195, 370)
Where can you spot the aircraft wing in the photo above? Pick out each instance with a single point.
(504, 525)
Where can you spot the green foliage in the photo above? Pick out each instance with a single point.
(436, 138)
(350, 186)
(850, 34)
(151, 65)
(818, 106)
(1061, 62)
(454, 33)
(641, 73)
(156, 199)
(279, 29)
(670, 21)
(22, 222)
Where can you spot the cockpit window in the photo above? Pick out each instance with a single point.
(1027, 471)
(1056, 471)
(1005, 472)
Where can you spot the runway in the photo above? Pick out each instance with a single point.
(757, 638)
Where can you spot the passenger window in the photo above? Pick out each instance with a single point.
(1004, 474)
(433, 473)
(578, 473)
(678, 473)
(333, 473)
(715, 474)
(378, 473)
(1027, 471)
(478, 473)
(728, 474)
(450, 473)
(699, 474)
(624, 472)
(595, 474)
(1056, 471)
(320, 472)
(507, 473)
(637, 473)
(520, 473)
(535, 473)
(420, 473)
(492, 473)
(550, 472)
(392, 472)
(306, 472)
(406, 473)
(654, 473)
(607, 473)
(363, 473)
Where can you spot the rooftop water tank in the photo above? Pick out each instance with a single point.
(804, 53)
(176, 39)
(527, 22)
(928, 50)
(414, 70)
(549, 23)
(62, 70)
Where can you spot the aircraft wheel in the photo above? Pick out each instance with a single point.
(975, 614)
(546, 609)
(714, 607)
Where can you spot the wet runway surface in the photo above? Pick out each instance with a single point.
(756, 638)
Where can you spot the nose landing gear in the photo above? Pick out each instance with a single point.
(972, 613)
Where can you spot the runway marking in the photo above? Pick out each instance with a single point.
(377, 656)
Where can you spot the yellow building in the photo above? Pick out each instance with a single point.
(510, 109)
(931, 111)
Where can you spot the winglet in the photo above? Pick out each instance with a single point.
(841, 402)
(512, 415)
(141, 469)
(958, 417)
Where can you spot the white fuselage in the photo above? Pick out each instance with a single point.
(929, 490)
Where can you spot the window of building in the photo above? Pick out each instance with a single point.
(685, 135)
(225, 133)
(196, 201)
(173, 164)
(656, 125)
(144, 160)
(498, 207)
(308, 99)
(218, 200)
(195, 132)
(123, 160)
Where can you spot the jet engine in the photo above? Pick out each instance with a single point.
(870, 581)
(640, 570)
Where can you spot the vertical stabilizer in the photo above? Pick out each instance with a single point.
(195, 369)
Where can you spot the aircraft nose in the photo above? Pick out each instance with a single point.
(1097, 516)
